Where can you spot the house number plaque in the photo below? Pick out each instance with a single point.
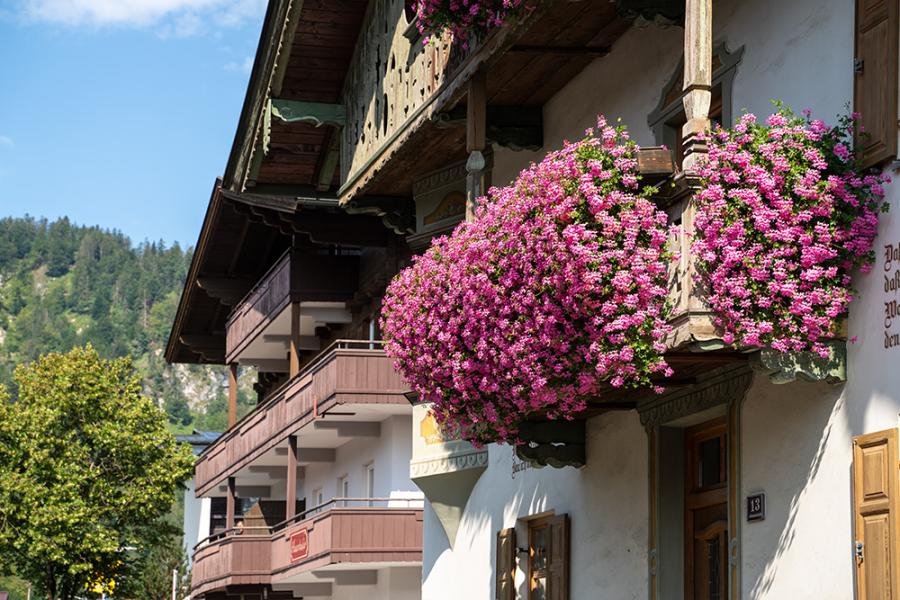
(756, 507)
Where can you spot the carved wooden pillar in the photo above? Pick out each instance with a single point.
(232, 394)
(697, 78)
(476, 126)
(229, 503)
(291, 496)
(295, 339)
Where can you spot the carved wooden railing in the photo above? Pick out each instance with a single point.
(347, 372)
(342, 530)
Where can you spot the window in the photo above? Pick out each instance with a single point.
(667, 119)
(318, 498)
(343, 488)
(548, 558)
(370, 483)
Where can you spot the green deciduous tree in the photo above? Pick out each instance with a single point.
(87, 472)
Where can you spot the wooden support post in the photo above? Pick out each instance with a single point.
(697, 78)
(291, 496)
(476, 129)
(295, 340)
(232, 394)
(229, 503)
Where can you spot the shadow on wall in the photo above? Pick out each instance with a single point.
(786, 432)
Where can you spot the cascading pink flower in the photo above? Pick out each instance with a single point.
(557, 286)
(784, 217)
(463, 18)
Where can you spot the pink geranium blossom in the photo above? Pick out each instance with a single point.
(776, 242)
(462, 18)
(557, 286)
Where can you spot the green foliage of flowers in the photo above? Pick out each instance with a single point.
(88, 470)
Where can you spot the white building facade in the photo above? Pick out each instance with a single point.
(781, 516)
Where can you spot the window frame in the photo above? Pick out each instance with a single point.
(670, 107)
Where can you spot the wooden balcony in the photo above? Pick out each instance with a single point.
(335, 533)
(229, 559)
(295, 277)
(347, 372)
(355, 531)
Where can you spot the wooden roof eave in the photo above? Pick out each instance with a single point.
(274, 41)
(190, 288)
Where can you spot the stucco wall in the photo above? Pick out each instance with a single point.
(796, 439)
(606, 502)
(390, 453)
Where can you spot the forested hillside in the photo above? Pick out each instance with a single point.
(63, 285)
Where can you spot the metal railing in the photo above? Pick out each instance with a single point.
(347, 502)
(334, 503)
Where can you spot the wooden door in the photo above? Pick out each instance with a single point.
(876, 486)
(706, 512)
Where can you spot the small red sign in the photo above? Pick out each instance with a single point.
(299, 545)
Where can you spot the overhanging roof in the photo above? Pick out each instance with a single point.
(242, 236)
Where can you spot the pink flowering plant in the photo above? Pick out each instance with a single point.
(784, 217)
(462, 18)
(556, 289)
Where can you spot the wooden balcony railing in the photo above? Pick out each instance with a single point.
(347, 372)
(230, 559)
(295, 277)
(342, 530)
(264, 302)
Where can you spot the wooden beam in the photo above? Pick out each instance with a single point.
(697, 79)
(592, 51)
(312, 113)
(232, 394)
(230, 496)
(328, 162)
(228, 290)
(291, 492)
(476, 136)
(294, 344)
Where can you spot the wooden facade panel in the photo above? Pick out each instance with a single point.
(355, 535)
(345, 535)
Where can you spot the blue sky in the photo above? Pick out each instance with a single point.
(121, 113)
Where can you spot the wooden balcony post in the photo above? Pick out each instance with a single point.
(232, 394)
(295, 339)
(229, 503)
(291, 495)
(697, 78)
(476, 126)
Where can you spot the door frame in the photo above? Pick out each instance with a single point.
(727, 386)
